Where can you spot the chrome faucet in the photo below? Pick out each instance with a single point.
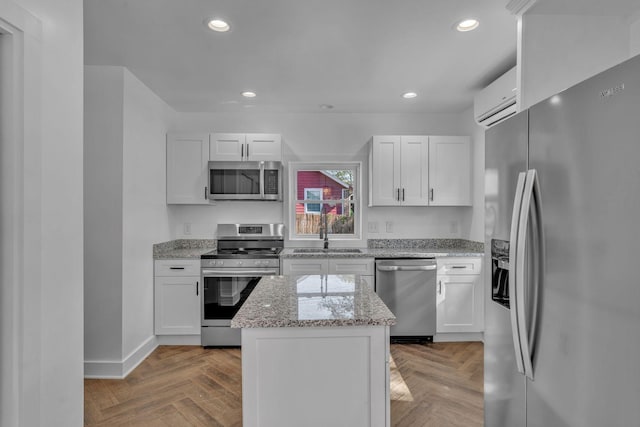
(324, 231)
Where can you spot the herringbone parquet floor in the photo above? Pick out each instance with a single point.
(437, 385)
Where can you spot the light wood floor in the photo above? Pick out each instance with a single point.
(437, 384)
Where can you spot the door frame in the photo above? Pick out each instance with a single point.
(20, 216)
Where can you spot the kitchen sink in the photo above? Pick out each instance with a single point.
(327, 251)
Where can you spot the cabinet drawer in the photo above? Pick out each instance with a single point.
(451, 266)
(362, 266)
(303, 266)
(177, 267)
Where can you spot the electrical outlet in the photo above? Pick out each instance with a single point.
(389, 226)
(372, 227)
(187, 228)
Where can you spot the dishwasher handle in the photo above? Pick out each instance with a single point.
(406, 267)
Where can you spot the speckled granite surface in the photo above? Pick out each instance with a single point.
(440, 244)
(183, 248)
(312, 301)
(401, 248)
(378, 248)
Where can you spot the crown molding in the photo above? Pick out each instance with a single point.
(519, 7)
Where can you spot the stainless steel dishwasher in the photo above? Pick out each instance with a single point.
(408, 288)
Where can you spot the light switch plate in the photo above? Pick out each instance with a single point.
(372, 227)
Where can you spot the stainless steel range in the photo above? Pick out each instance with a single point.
(246, 253)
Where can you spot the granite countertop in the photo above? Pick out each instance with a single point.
(399, 248)
(312, 301)
(377, 248)
(183, 248)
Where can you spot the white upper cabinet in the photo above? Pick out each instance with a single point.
(414, 176)
(263, 146)
(227, 146)
(420, 171)
(241, 147)
(384, 171)
(450, 170)
(187, 157)
(398, 171)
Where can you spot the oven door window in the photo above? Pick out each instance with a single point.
(235, 181)
(223, 296)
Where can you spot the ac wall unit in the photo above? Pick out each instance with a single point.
(497, 101)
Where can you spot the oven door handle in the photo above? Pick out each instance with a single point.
(238, 273)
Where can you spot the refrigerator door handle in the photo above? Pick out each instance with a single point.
(513, 263)
(527, 299)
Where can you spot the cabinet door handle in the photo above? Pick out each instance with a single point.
(176, 268)
(247, 150)
(440, 287)
(431, 194)
(398, 195)
(242, 152)
(458, 266)
(205, 192)
(403, 194)
(197, 286)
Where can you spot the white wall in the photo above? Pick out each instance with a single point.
(475, 227)
(325, 136)
(634, 36)
(558, 51)
(125, 214)
(46, 385)
(144, 209)
(103, 175)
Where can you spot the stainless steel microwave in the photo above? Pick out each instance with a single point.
(253, 180)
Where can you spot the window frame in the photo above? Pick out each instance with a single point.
(356, 199)
(306, 205)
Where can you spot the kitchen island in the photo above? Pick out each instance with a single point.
(315, 352)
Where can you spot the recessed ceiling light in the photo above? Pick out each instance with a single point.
(249, 94)
(467, 25)
(216, 24)
(409, 95)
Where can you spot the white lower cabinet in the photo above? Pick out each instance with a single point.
(317, 265)
(177, 297)
(316, 376)
(460, 306)
(302, 266)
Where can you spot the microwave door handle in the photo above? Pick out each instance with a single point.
(261, 176)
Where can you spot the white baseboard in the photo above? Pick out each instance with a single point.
(179, 339)
(120, 369)
(459, 336)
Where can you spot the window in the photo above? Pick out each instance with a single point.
(337, 185)
(312, 194)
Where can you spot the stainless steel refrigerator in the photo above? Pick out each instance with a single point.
(562, 239)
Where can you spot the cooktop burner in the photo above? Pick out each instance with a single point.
(242, 253)
(247, 241)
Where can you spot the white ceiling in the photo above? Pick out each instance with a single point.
(629, 8)
(357, 55)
